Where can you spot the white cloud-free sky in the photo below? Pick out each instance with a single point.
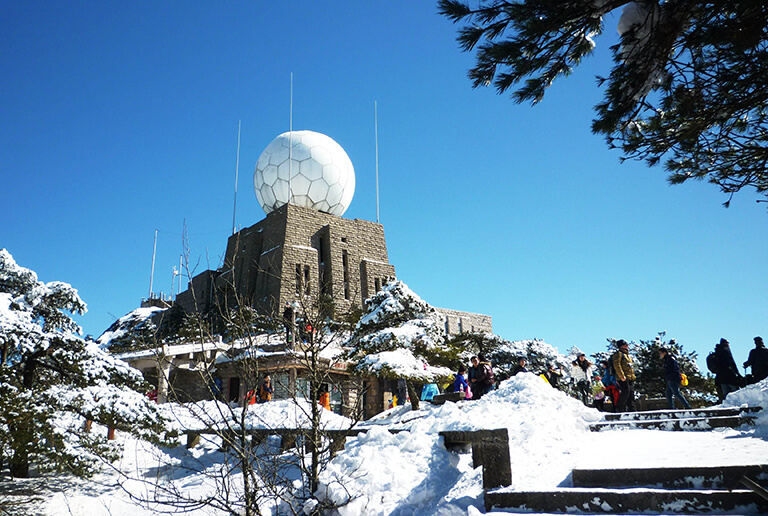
(119, 119)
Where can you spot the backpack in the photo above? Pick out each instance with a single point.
(712, 363)
(489, 378)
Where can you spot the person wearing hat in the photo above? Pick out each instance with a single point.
(727, 376)
(758, 360)
(672, 378)
(625, 377)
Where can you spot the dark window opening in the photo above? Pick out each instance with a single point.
(345, 265)
(234, 389)
(298, 278)
(306, 280)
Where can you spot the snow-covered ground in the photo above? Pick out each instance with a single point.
(411, 472)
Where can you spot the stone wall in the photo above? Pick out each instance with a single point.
(296, 253)
(458, 322)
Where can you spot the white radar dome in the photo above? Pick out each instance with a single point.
(316, 173)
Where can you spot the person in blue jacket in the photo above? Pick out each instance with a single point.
(460, 383)
(672, 378)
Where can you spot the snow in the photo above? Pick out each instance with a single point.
(126, 323)
(411, 472)
(262, 416)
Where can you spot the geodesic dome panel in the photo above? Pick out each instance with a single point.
(307, 169)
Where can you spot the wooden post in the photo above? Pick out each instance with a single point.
(193, 439)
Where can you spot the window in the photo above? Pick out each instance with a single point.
(345, 265)
(377, 283)
(306, 280)
(298, 278)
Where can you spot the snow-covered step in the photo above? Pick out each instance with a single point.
(698, 477)
(681, 414)
(621, 501)
(684, 424)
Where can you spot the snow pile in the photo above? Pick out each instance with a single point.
(754, 396)
(412, 472)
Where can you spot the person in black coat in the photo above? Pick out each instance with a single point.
(758, 360)
(472, 374)
(672, 378)
(520, 366)
(727, 376)
(553, 375)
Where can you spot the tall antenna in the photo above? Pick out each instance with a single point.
(376, 137)
(152, 275)
(179, 291)
(290, 143)
(237, 169)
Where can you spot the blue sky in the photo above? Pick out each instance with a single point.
(121, 118)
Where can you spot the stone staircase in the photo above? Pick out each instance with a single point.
(653, 490)
(665, 490)
(679, 420)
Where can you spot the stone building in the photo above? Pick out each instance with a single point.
(302, 252)
(293, 254)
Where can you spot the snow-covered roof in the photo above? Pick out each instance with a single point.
(127, 323)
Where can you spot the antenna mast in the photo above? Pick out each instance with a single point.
(237, 170)
(290, 143)
(376, 137)
(152, 275)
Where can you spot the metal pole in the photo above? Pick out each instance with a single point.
(376, 137)
(237, 169)
(290, 143)
(152, 275)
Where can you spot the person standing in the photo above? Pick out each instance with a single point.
(460, 383)
(610, 386)
(472, 373)
(289, 320)
(758, 360)
(485, 378)
(672, 378)
(581, 372)
(520, 366)
(266, 390)
(553, 375)
(625, 377)
(325, 400)
(727, 376)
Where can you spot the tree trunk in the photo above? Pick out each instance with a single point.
(413, 395)
(315, 438)
(19, 464)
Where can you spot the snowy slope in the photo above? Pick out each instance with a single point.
(412, 473)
